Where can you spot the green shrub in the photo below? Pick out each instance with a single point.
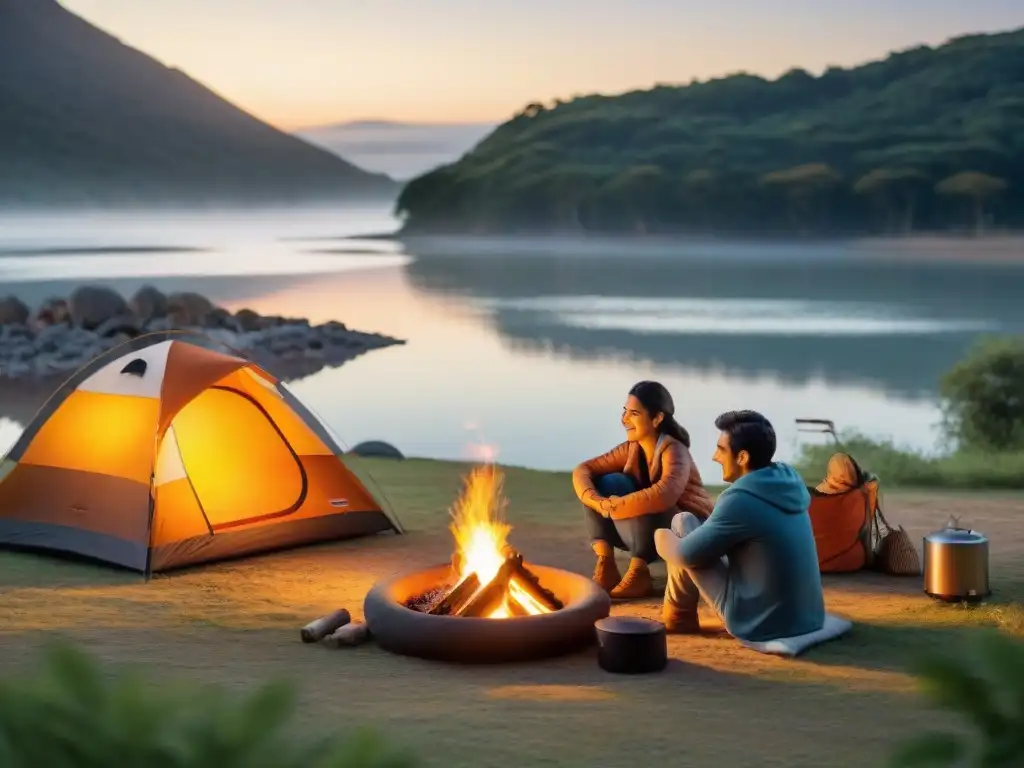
(983, 397)
(983, 408)
(985, 686)
(74, 714)
(904, 467)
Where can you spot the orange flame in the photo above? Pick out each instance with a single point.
(481, 536)
(478, 524)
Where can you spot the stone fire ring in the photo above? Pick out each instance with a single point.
(481, 641)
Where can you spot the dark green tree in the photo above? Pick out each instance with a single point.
(808, 189)
(895, 191)
(700, 197)
(983, 397)
(641, 193)
(978, 188)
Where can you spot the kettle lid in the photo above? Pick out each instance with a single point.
(953, 533)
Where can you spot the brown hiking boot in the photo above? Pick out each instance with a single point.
(679, 622)
(636, 584)
(606, 571)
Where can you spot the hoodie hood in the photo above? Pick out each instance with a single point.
(778, 485)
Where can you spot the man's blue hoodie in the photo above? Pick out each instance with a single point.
(761, 523)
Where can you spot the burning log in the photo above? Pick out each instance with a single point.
(457, 599)
(491, 596)
(531, 583)
(513, 585)
(515, 608)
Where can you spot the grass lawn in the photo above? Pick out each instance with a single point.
(236, 623)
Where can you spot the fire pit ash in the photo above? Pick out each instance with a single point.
(487, 605)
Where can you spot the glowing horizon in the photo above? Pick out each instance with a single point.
(308, 63)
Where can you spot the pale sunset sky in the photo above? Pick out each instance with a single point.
(299, 63)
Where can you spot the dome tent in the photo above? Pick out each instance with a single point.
(164, 452)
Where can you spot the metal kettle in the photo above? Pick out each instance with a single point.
(956, 564)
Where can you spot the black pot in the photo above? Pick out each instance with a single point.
(629, 645)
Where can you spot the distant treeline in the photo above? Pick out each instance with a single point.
(928, 139)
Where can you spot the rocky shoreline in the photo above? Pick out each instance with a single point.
(62, 334)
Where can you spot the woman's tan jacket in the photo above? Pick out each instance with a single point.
(675, 480)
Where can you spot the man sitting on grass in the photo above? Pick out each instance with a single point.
(754, 559)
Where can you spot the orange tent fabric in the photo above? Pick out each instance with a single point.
(163, 452)
(842, 513)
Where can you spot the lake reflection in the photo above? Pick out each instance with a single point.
(894, 327)
(533, 353)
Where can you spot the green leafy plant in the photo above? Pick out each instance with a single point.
(985, 686)
(984, 396)
(903, 467)
(74, 713)
(983, 409)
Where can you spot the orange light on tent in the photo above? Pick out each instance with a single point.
(101, 433)
(238, 463)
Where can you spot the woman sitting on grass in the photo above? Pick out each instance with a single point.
(637, 488)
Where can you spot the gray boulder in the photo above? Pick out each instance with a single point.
(51, 338)
(92, 305)
(127, 324)
(188, 309)
(53, 311)
(13, 311)
(221, 318)
(376, 449)
(15, 332)
(148, 303)
(248, 320)
(158, 324)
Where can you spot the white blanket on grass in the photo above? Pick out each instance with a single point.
(834, 627)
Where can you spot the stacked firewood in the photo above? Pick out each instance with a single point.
(336, 630)
(472, 599)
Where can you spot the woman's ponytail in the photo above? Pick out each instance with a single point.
(672, 428)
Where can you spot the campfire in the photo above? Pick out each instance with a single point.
(489, 579)
(513, 611)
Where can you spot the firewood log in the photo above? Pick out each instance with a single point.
(349, 635)
(530, 582)
(515, 607)
(325, 625)
(490, 597)
(458, 597)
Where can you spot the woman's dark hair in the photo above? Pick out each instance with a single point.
(655, 399)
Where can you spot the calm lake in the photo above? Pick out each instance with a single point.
(530, 347)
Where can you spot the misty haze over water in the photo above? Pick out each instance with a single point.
(401, 150)
(530, 347)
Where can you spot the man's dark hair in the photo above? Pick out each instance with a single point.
(751, 432)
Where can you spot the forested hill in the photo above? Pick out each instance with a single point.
(87, 120)
(927, 139)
